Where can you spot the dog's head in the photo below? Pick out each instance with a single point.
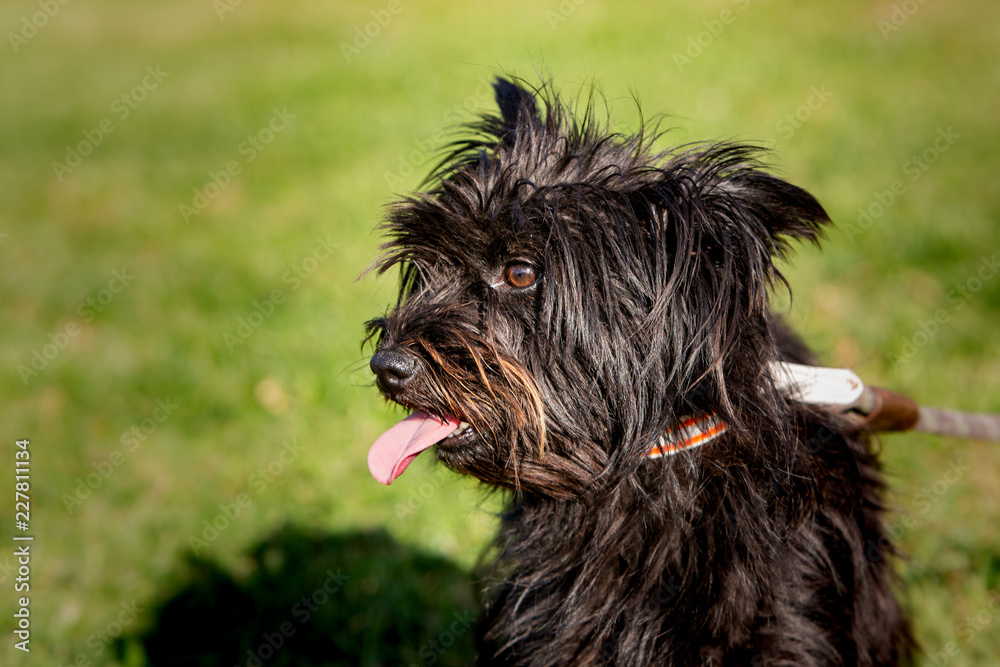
(568, 293)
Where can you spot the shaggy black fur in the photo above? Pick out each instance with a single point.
(571, 293)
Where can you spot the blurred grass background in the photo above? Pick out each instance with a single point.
(274, 410)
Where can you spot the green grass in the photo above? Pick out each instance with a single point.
(317, 190)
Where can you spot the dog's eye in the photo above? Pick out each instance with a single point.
(520, 275)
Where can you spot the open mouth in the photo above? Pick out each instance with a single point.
(463, 434)
(395, 449)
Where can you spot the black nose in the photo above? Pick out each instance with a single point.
(394, 369)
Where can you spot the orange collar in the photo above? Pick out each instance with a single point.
(690, 433)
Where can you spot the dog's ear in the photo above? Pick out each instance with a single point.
(517, 108)
(784, 211)
(518, 121)
(728, 199)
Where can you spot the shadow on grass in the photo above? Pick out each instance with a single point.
(357, 598)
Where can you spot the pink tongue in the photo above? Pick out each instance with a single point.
(394, 449)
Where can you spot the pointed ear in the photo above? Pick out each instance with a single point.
(517, 108)
(785, 210)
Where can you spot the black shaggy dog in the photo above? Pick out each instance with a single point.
(578, 312)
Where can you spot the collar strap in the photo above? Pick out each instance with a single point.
(690, 433)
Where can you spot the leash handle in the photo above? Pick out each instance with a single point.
(840, 390)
